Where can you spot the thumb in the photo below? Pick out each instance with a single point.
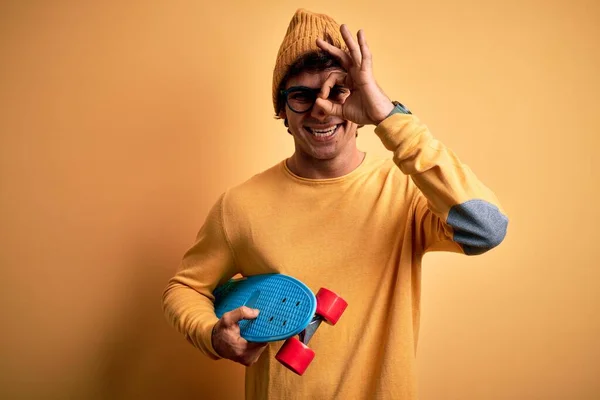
(239, 314)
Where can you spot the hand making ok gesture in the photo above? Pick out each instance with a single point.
(366, 104)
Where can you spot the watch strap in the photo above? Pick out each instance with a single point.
(399, 108)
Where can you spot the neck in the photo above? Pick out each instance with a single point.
(311, 168)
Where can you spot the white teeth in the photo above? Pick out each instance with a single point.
(323, 132)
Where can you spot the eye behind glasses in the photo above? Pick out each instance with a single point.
(302, 98)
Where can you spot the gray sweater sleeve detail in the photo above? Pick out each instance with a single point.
(478, 226)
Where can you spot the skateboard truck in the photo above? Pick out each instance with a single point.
(310, 330)
(295, 353)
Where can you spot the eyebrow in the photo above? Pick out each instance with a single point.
(317, 88)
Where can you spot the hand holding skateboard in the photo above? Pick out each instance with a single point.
(287, 308)
(228, 343)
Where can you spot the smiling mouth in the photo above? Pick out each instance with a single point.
(323, 133)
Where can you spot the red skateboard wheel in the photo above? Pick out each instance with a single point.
(295, 355)
(330, 306)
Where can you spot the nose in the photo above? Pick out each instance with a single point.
(318, 112)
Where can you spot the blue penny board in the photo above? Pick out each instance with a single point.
(286, 305)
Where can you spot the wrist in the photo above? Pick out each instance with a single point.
(397, 108)
(213, 343)
(384, 112)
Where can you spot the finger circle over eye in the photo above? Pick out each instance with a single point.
(334, 78)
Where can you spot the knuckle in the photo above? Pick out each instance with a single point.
(225, 320)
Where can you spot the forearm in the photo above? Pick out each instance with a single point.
(191, 314)
(453, 192)
(188, 302)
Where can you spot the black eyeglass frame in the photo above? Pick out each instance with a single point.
(314, 92)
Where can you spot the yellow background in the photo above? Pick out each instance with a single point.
(121, 122)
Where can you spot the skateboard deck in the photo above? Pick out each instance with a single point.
(286, 305)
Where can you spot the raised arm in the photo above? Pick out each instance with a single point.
(453, 209)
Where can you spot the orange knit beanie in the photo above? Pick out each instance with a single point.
(300, 38)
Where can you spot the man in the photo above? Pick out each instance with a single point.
(333, 216)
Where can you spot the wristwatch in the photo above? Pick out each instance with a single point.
(399, 108)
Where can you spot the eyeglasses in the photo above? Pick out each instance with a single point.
(301, 99)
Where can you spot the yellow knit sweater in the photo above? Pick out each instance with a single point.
(361, 235)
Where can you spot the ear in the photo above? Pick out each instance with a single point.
(282, 113)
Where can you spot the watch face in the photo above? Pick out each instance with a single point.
(401, 108)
